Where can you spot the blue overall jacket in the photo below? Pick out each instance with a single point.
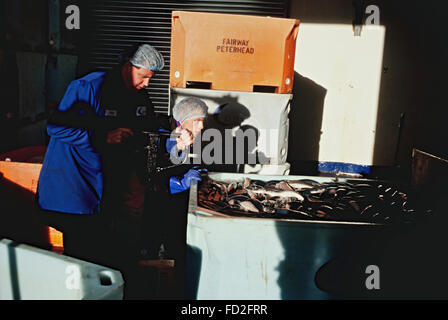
(71, 178)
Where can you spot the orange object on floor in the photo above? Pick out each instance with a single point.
(26, 176)
(56, 240)
(232, 52)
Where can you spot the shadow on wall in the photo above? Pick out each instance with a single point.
(230, 114)
(305, 123)
(413, 83)
(399, 95)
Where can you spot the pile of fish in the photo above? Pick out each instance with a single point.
(371, 201)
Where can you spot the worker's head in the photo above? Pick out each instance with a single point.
(139, 65)
(191, 113)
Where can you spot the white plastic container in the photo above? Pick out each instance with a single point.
(266, 113)
(262, 258)
(29, 273)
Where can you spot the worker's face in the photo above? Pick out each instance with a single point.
(137, 78)
(195, 126)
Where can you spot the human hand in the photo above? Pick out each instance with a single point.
(119, 135)
(185, 139)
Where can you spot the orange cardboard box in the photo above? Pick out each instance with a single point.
(232, 52)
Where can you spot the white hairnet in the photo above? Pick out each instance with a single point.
(189, 109)
(146, 56)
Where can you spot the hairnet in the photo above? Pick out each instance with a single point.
(189, 109)
(144, 56)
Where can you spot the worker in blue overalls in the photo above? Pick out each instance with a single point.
(90, 170)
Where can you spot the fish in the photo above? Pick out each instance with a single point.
(268, 206)
(246, 183)
(252, 195)
(310, 182)
(249, 206)
(258, 183)
(295, 205)
(300, 212)
(354, 205)
(232, 187)
(299, 185)
(283, 185)
(366, 209)
(239, 197)
(352, 193)
(317, 191)
(278, 193)
(321, 214)
(308, 199)
(313, 199)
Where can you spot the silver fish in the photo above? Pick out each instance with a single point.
(299, 185)
(246, 183)
(278, 193)
(249, 206)
(283, 185)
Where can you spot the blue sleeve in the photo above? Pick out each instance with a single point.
(77, 91)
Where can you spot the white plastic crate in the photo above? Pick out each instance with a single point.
(29, 273)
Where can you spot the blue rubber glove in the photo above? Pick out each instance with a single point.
(181, 184)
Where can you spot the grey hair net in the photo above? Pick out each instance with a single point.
(144, 56)
(189, 109)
